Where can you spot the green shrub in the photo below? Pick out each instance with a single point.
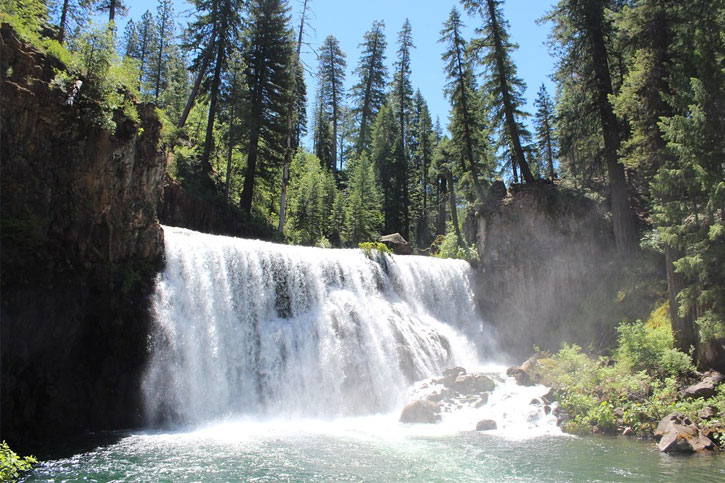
(368, 247)
(651, 349)
(12, 465)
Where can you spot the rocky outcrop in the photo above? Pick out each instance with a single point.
(543, 249)
(397, 243)
(677, 434)
(81, 245)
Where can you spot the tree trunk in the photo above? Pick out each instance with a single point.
(214, 94)
(250, 174)
(454, 210)
(63, 20)
(111, 11)
(442, 199)
(683, 328)
(625, 231)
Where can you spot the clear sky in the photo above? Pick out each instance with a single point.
(348, 20)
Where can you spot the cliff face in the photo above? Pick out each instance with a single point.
(543, 251)
(80, 247)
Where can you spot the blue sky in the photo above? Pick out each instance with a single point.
(348, 20)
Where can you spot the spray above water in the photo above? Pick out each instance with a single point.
(249, 328)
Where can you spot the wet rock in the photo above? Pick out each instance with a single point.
(453, 371)
(677, 434)
(521, 376)
(548, 398)
(444, 394)
(547, 409)
(536, 402)
(707, 413)
(701, 389)
(422, 411)
(482, 400)
(628, 431)
(473, 384)
(486, 425)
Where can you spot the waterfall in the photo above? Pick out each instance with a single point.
(244, 327)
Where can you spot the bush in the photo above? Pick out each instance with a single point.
(652, 350)
(12, 465)
(368, 247)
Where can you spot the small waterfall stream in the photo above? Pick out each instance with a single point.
(246, 327)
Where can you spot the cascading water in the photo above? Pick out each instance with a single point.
(252, 328)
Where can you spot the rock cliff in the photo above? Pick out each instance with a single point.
(80, 247)
(543, 251)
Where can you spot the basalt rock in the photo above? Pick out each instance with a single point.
(421, 411)
(81, 245)
(397, 243)
(486, 425)
(677, 434)
(543, 250)
(704, 390)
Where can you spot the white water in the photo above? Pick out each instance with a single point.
(249, 330)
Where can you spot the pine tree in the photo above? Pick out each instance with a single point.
(322, 140)
(580, 27)
(113, 7)
(544, 124)
(369, 93)
(140, 41)
(420, 177)
(402, 96)
(362, 209)
(296, 119)
(386, 154)
(331, 77)
(467, 123)
(504, 87)
(165, 32)
(268, 51)
(70, 13)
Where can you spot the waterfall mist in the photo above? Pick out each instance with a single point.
(245, 327)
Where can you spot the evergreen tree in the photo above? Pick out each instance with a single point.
(467, 122)
(165, 32)
(311, 201)
(580, 28)
(402, 96)
(362, 209)
(386, 154)
(140, 41)
(70, 13)
(268, 56)
(369, 93)
(322, 141)
(226, 21)
(331, 77)
(113, 7)
(504, 87)
(544, 124)
(422, 161)
(296, 119)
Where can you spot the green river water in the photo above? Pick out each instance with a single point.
(371, 449)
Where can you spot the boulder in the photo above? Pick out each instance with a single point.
(397, 243)
(677, 434)
(453, 371)
(548, 398)
(707, 413)
(421, 411)
(486, 425)
(701, 389)
(713, 377)
(521, 376)
(442, 395)
(473, 384)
